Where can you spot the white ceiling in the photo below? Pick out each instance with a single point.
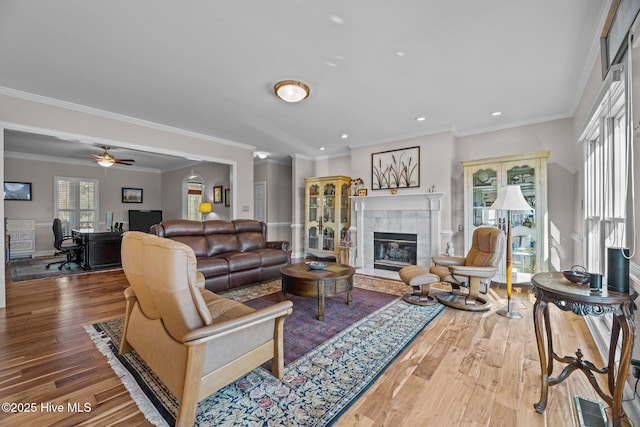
(373, 66)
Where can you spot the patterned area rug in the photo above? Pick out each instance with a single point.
(317, 387)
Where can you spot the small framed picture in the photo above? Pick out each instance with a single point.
(17, 191)
(227, 197)
(217, 194)
(362, 192)
(131, 195)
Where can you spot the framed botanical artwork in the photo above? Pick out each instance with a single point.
(131, 195)
(395, 169)
(227, 197)
(217, 194)
(17, 191)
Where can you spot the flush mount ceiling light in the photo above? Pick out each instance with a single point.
(291, 90)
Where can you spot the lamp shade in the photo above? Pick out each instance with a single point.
(510, 198)
(204, 207)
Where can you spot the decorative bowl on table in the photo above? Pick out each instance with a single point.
(577, 274)
(315, 265)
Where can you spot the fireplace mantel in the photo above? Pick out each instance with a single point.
(404, 212)
(411, 201)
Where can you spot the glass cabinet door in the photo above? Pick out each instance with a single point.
(485, 190)
(523, 223)
(314, 216)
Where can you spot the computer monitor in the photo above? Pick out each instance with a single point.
(142, 220)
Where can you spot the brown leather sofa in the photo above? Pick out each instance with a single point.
(229, 253)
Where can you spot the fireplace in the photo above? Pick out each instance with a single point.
(392, 251)
(417, 213)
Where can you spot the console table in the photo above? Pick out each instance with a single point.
(555, 289)
(100, 249)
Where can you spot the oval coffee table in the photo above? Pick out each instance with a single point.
(334, 279)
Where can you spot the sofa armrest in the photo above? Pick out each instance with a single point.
(207, 333)
(448, 260)
(279, 244)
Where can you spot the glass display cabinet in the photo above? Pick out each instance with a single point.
(327, 214)
(528, 228)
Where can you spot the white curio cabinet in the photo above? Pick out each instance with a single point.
(529, 229)
(327, 214)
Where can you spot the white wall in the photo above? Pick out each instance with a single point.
(110, 184)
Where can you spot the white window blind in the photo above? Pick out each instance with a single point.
(76, 202)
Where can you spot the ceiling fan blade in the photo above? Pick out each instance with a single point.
(124, 160)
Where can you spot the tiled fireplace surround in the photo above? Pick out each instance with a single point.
(416, 213)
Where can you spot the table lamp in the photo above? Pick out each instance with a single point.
(510, 198)
(204, 208)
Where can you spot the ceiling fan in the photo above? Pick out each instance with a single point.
(107, 160)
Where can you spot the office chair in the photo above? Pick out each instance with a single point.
(63, 246)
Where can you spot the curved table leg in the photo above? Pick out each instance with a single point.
(622, 322)
(540, 317)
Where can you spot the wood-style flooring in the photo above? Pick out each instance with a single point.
(464, 369)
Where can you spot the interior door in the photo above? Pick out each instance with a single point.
(260, 201)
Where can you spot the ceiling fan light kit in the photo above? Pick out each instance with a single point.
(107, 160)
(291, 90)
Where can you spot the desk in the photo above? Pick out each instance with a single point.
(99, 248)
(554, 288)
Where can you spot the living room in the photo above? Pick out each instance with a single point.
(442, 152)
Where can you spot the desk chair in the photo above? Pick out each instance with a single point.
(64, 245)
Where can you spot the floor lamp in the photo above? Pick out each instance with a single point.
(509, 199)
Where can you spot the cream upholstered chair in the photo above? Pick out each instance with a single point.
(194, 340)
(474, 271)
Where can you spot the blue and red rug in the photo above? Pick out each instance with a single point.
(348, 351)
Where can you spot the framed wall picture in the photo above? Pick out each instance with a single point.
(227, 197)
(217, 194)
(131, 195)
(395, 169)
(362, 192)
(17, 191)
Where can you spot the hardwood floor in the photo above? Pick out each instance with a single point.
(464, 369)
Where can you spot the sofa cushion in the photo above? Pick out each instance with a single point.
(213, 266)
(250, 234)
(239, 261)
(271, 256)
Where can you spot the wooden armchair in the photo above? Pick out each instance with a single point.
(194, 340)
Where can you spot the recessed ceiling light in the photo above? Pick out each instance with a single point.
(260, 154)
(321, 148)
(336, 19)
(344, 136)
(400, 53)
(421, 119)
(496, 113)
(331, 64)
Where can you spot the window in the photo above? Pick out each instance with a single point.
(76, 202)
(194, 198)
(606, 161)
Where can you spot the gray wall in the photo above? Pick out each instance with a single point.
(110, 183)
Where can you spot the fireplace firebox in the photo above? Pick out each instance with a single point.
(392, 251)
